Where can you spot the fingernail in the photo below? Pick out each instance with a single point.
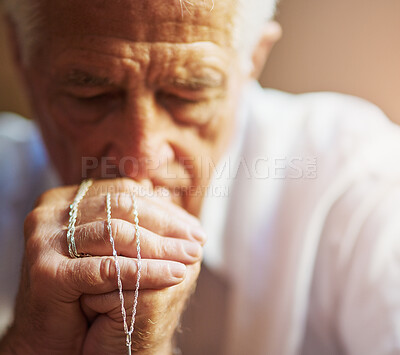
(199, 234)
(177, 270)
(192, 249)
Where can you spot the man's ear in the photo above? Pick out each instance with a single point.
(271, 33)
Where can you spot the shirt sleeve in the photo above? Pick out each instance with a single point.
(366, 310)
(24, 174)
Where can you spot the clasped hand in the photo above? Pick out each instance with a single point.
(71, 306)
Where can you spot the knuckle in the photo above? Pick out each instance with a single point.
(47, 196)
(187, 234)
(165, 222)
(157, 250)
(100, 233)
(31, 220)
(145, 272)
(117, 228)
(180, 246)
(123, 201)
(79, 275)
(33, 223)
(42, 198)
(90, 235)
(126, 185)
(163, 248)
(85, 233)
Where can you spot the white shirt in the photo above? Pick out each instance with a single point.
(304, 224)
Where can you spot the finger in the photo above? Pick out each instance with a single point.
(163, 199)
(66, 194)
(151, 216)
(118, 186)
(109, 303)
(92, 207)
(155, 214)
(158, 196)
(94, 275)
(106, 337)
(93, 238)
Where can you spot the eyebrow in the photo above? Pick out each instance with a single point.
(84, 79)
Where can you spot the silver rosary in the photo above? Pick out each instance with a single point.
(128, 332)
(73, 213)
(83, 189)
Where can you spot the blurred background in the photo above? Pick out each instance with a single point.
(349, 46)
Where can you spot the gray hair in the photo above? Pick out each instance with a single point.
(252, 15)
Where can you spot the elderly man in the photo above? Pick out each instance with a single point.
(298, 195)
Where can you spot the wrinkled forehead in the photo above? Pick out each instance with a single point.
(179, 21)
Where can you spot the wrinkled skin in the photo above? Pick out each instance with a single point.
(138, 81)
(52, 315)
(154, 91)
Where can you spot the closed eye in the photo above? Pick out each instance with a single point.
(90, 107)
(184, 109)
(169, 98)
(96, 98)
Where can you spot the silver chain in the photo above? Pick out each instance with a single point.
(73, 214)
(128, 332)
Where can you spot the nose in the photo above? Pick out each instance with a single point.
(141, 145)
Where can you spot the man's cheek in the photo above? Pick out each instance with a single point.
(74, 115)
(79, 111)
(67, 120)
